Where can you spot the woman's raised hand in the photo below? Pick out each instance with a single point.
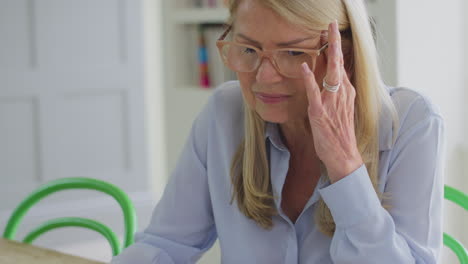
(331, 114)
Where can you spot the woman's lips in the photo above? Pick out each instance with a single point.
(272, 98)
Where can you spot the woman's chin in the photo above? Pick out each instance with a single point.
(273, 117)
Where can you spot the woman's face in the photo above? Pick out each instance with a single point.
(261, 25)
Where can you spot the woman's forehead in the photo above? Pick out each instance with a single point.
(240, 27)
(280, 36)
(253, 19)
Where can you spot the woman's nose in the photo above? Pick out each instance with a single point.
(267, 73)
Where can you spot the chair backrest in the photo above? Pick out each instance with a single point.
(130, 220)
(461, 199)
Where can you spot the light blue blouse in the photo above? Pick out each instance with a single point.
(195, 208)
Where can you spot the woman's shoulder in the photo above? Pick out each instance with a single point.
(227, 102)
(228, 93)
(221, 115)
(413, 108)
(412, 103)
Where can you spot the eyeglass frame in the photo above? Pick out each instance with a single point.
(265, 53)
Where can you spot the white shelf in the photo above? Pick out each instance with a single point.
(200, 15)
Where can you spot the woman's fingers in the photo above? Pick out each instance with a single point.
(335, 56)
(348, 87)
(336, 75)
(313, 91)
(331, 114)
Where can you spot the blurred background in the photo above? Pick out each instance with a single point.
(109, 88)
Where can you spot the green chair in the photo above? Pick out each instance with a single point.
(461, 199)
(125, 203)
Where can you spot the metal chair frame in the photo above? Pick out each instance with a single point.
(130, 219)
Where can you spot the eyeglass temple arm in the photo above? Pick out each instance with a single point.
(225, 32)
(323, 48)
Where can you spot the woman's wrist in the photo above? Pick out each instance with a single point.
(341, 169)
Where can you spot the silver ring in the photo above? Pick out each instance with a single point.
(330, 88)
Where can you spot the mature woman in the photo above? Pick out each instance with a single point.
(308, 158)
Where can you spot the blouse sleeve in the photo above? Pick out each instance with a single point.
(182, 226)
(411, 230)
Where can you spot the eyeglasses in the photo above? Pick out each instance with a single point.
(245, 58)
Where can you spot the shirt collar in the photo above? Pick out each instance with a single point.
(273, 134)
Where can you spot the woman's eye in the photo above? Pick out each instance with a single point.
(249, 50)
(295, 53)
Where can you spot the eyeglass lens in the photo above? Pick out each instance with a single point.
(245, 59)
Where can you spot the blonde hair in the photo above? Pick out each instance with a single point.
(250, 174)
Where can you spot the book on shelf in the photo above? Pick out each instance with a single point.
(204, 78)
(217, 71)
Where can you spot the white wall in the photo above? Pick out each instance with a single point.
(429, 52)
(463, 11)
(95, 247)
(155, 111)
(431, 43)
(119, 75)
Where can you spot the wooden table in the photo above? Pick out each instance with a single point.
(13, 252)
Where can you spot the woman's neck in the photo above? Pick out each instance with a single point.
(298, 137)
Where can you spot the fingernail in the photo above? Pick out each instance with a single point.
(305, 68)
